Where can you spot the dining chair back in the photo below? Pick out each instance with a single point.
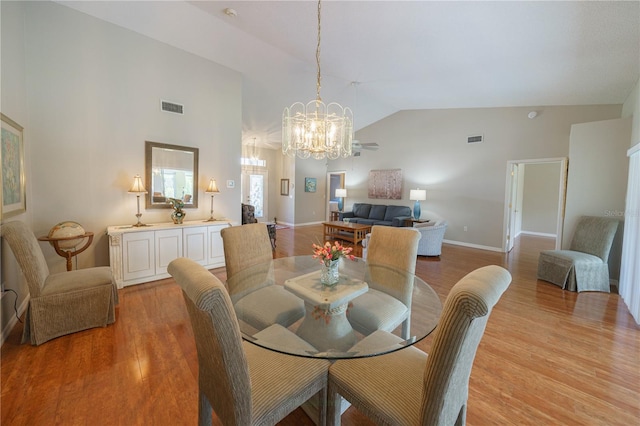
(243, 383)
(60, 303)
(407, 387)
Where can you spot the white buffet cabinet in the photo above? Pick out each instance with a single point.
(142, 254)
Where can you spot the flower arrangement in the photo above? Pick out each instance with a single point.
(327, 253)
(178, 214)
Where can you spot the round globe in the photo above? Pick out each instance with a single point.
(66, 230)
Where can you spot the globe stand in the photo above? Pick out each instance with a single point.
(68, 254)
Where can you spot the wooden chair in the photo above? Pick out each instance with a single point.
(407, 387)
(387, 304)
(246, 247)
(62, 303)
(243, 383)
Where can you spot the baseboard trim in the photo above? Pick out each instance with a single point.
(14, 320)
(537, 234)
(470, 245)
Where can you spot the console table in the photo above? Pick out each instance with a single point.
(142, 254)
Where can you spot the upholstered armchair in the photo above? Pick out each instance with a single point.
(243, 383)
(584, 267)
(61, 303)
(248, 214)
(432, 235)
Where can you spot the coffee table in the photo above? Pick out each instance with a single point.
(353, 232)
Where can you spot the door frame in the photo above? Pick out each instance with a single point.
(343, 180)
(511, 195)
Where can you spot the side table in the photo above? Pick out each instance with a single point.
(334, 216)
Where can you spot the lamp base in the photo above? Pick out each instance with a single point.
(340, 203)
(211, 219)
(416, 210)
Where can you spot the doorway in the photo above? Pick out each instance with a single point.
(255, 190)
(335, 180)
(516, 208)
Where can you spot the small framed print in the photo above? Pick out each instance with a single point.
(13, 194)
(231, 184)
(284, 186)
(309, 184)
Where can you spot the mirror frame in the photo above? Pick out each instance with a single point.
(148, 154)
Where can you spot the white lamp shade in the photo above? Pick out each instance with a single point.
(341, 192)
(212, 187)
(418, 194)
(138, 186)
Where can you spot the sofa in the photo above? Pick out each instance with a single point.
(377, 214)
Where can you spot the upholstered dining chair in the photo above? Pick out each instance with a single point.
(408, 388)
(387, 304)
(243, 383)
(584, 267)
(245, 247)
(61, 303)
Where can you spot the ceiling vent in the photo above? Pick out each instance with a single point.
(172, 107)
(475, 139)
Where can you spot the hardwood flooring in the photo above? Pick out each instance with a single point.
(548, 357)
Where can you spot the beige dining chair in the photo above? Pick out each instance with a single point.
(408, 388)
(387, 304)
(61, 303)
(243, 383)
(261, 302)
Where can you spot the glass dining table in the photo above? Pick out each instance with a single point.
(281, 305)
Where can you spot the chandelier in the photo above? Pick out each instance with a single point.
(315, 129)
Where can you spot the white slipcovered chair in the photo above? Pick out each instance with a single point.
(408, 388)
(432, 235)
(584, 267)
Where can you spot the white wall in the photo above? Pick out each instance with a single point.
(631, 108)
(465, 183)
(88, 95)
(540, 198)
(597, 177)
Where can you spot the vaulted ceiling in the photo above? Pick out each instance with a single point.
(404, 54)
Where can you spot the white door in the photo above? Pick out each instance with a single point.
(512, 206)
(255, 190)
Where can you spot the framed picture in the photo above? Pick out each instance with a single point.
(385, 184)
(309, 184)
(284, 186)
(231, 184)
(13, 194)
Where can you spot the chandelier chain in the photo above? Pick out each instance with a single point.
(318, 55)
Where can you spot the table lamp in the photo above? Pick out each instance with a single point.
(138, 188)
(417, 195)
(341, 193)
(213, 190)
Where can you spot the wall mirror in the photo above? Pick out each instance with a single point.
(171, 171)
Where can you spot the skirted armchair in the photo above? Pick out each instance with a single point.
(61, 303)
(584, 266)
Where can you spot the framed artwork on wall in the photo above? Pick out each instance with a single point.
(284, 186)
(13, 194)
(309, 184)
(385, 184)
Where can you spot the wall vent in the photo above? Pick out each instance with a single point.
(172, 107)
(475, 139)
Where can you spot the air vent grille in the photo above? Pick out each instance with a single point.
(475, 139)
(172, 107)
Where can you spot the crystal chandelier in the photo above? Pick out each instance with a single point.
(315, 129)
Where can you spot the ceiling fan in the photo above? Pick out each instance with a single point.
(357, 146)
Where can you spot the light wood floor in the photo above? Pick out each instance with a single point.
(548, 357)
